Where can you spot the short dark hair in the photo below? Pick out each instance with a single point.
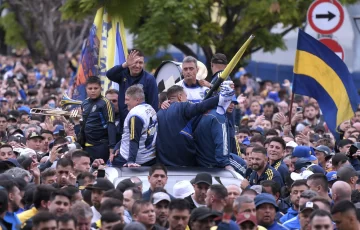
(257, 138)
(322, 200)
(8, 185)
(344, 142)
(140, 53)
(320, 212)
(79, 153)
(3, 201)
(219, 190)
(42, 193)
(42, 216)
(111, 91)
(299, 183)
(48, 172)
(259, 150)
(279, 140)
(174, 90)
(339, 158)
(9, 93)
(115, 194)
(66, 218)
(275, 187)
(321, 180)
(343, 206)
(157, 167)
(271, 132)
(109, 217)
(64, 162)
(179, 204)
(83, 175)
(109, 204)
(6, 146)
(20, 183)
(43, 131)
(71, 191)
(138, 204)
(355, 196)
(93, 80)
(137, 195)
(60, 192)
(60, 141)
(245, 130)
(3, 116)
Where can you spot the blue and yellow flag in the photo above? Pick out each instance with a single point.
(104, 48)
(321, 74)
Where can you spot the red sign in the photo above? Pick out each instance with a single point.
(325, 16)
(334, 46)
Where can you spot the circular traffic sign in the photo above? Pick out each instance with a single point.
(334, 46)
(325, 16)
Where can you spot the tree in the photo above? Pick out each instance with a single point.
(42, 29)
(215, 25)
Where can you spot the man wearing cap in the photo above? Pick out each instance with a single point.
(301, 152)
(305, 212)
(97, 189)
(202, 218)
(201, 184)
(195, 92)
(322, 153)
(247, 221)
(34, 141)
(331, 177)
(349, 175)
(161, 202)
(266, 209)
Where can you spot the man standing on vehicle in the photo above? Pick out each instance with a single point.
(130, 73)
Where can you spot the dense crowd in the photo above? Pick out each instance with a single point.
(53, 167)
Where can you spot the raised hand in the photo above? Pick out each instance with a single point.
(132, 58)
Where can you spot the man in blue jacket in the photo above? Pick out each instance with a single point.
(130, 73)
(174, 144)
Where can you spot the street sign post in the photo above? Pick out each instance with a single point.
(334, 46)
(325, 16)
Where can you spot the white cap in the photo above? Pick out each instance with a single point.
(160, 196)
(25, 152)
(291, 144)
(301, 176)
(183, 189)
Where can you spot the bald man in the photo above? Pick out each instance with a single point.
(341, 191)
(234, 192)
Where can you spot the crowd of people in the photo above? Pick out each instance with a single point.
(297, 175)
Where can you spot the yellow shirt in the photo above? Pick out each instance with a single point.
(24, 216)
(258, 228)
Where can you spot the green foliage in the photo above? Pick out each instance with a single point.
(13, 31)
(216, 26)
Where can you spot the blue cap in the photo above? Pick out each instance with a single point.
(303, 152)
(324, 149)
(3, 99)
(265, 198)
(316, 169)
(246, 141)
(274, 96)
(258, 129)
(24, 108)
(13, 162)
(331, 176)
(234, 100)
(58, 128)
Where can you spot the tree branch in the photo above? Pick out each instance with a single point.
(185, 49)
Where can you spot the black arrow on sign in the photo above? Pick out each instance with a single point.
(328, 16)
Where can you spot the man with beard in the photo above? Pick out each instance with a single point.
(161, 203)
(81, 160)
(262, 170)
(276, 150)
(100, 186)
(157, 179)
(296, 189)
(201, 184)
(179, 214)
(144, 213)
(344, 215)
(310, 118)
(14, 201)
